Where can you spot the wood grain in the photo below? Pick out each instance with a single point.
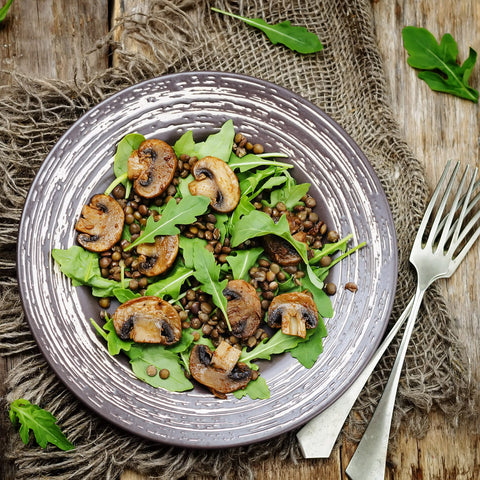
(49, 38)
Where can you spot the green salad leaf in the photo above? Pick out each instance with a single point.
(258, 223)
(437, 62)
(256, 389)
(42, 423)
(251, 161)
(181, 213)
(4, 10)
(296, 38)
(275, 345)
(243, 261)
(126, 146)
(207, 272)
(290, 194)
(114, 343)
(82, 267)
(307, 352)
(171, 284)
(216, 145)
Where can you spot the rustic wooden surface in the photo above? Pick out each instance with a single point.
(49, 38)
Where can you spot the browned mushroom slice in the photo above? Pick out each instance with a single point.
(148, 320)
(160, 255)
(220, 371)
(101, 224)
(294, 312)
(215, 179)
(244, 309)
(280, 251)
(152, 167)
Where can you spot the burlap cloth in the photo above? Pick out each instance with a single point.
(346, 80)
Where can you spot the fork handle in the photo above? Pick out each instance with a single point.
(369, 459)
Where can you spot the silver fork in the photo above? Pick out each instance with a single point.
(317, 438)
(437, 258)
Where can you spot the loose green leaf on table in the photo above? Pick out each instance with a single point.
(438, 62)
(182, 213)
(42, 423)
(296, 38)
(4, 10)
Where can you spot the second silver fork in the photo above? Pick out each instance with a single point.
(438, 258)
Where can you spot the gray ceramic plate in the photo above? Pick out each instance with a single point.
(350, 199)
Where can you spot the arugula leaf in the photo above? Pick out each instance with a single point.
(182, 213)
(207, 272)
(291, 194)
(438, 62)
(221, 224)
(183, 186)
(257, 224)
(4, 10)
(256, 389)
(188, 247)
(217, 145)
(171, 284)
(307, 352)
(249, 183)
(250, 161)
(244, 207)
(126, 146)
(330, 248)
(296, 38)
(82, 267)
(124, 294)
(243, 261)
(42, 423)
(278, 343)
(142, 356)
(114, 343)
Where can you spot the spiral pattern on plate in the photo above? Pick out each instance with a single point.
(349, 198)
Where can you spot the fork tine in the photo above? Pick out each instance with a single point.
(465, 209)
(450, 216)
(433, 231)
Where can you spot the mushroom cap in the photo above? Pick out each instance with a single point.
(152, 167)
(217, 380)
(294, 312)
(244, 309)
(100, 224)
(215, 179)
(148, 320)
(160, 255)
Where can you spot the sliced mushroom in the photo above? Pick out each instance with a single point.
(148, 320)
(280, 251)
(220, 371)
(152, 167)
(294, 312)
(244, 309)
(101, 224)
(215, 179)
(160, 255)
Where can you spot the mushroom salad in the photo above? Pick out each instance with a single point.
(205, 257)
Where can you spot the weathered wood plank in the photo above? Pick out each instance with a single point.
(49, 38)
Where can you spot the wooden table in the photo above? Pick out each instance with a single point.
(437, 127)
